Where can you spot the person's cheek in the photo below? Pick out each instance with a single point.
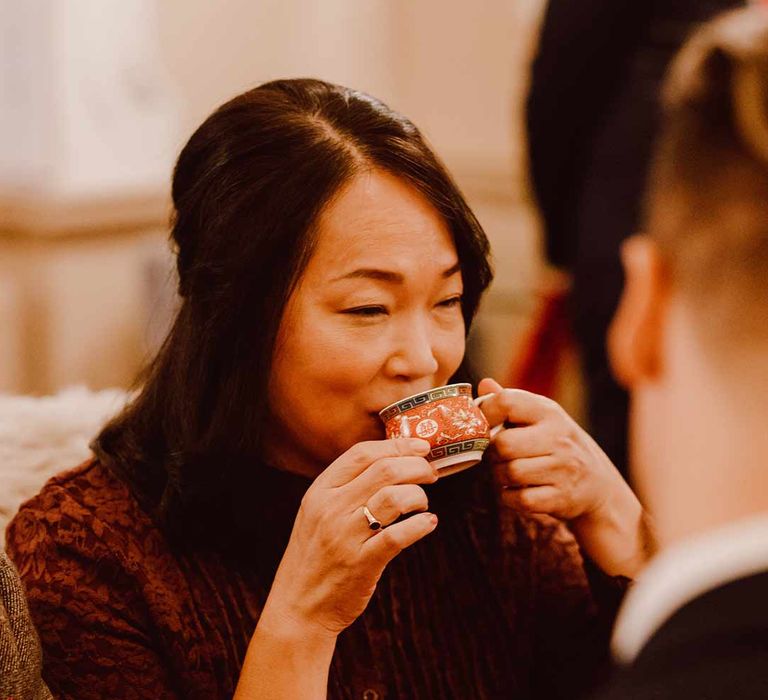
(450, 353)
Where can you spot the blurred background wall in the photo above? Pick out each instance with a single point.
(96, 99)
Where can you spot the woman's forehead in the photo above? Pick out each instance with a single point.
(377, 219)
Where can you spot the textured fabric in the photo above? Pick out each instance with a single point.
(20, 655)
(489, 606)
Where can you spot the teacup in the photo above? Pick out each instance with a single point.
(449, 419)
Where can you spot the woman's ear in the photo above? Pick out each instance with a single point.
(636, 333)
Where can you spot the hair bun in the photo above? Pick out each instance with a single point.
(728, 59)
(750, 106)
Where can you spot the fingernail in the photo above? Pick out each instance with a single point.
(433, 519)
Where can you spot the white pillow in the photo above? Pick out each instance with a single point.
(41, 436)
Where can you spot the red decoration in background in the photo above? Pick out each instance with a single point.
(538, 364)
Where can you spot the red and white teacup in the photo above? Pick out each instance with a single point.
(449, 419)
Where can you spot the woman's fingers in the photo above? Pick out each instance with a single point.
(517, 406)
(488, 386)
(528, 471)
(536, 499)
(333, 560)
(358, 458)
(515, 443)
(388, 472)
(389, 503)
(388, 543)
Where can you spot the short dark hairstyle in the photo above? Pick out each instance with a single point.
(247, 189)
(707, 204)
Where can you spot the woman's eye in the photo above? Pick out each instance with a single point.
(366, 311)
(378, 310)
(453, 301)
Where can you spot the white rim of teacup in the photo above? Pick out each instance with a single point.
(446, 466)
(426, 391)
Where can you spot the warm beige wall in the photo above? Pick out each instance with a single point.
(460, 74)
(215, 50)
(454, 68)
(457, 69)
(79, 310)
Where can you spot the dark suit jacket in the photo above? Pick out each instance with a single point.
(714, 648)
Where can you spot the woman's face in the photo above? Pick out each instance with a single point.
(376, 317)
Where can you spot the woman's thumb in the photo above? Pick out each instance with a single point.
(488, 386)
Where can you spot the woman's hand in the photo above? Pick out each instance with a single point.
(550, 465)
(332, 564)
(334, 560)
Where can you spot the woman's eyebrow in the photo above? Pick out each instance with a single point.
(451, 271)
(388, 275)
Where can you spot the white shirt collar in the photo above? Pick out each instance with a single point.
(683, 572)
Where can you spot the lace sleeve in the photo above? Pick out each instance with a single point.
(86, 604)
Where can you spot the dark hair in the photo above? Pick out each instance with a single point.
(247, 188)
(707, 204)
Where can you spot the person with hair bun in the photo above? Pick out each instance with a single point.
(220, 540)
(690, 340)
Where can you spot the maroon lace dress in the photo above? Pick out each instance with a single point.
(491, 605)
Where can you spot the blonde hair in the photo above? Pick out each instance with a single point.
(707, 202)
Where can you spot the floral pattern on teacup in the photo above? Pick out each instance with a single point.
(448, 420)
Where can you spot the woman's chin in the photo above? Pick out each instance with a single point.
(370, 430)
(344, 440)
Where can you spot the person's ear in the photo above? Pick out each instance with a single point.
(636, 333)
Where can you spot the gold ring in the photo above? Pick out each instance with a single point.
(372, 522)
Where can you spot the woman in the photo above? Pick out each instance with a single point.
(328, 266)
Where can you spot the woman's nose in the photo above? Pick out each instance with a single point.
(413, 356)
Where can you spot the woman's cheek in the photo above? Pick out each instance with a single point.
(352, 355)
(450, 352)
